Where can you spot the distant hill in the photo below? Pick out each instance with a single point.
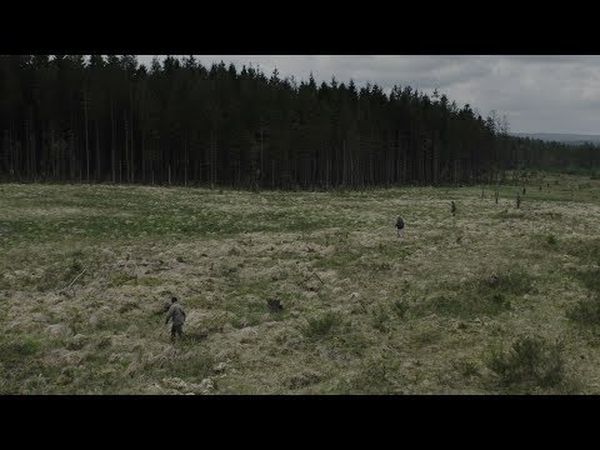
(574, 139)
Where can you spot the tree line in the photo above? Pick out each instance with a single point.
(106, 118)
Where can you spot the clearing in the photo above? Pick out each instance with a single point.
(85, 271)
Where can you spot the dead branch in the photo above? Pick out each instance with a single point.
(318, 277)
(75, 279)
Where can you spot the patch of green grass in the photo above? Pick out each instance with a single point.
(400, 308)
(248, 312)
(120, 279)
(550, 215)
(193, 368)
(57, 275)
(321, 325)
(20, 369)
(343, 258)
(586, 311)
(590, 279)
(303, 379)
(427, 337)
(530, 362)
(350, 342)
(375, 375)
(149, 281)
(515, 281)
(15, 350)
(587, 250)
(172, 215)
(128, 306)
(380, 317)
(467, 368)
(551, 240)
(394, 251)
(230, 271)
(505, 214)
(485, 295)
(248, 302)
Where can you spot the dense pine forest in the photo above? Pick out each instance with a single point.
(100, 118)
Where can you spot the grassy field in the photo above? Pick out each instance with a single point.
(494, 300)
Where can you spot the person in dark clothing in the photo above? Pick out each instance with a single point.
(177, 315)
(399, 226)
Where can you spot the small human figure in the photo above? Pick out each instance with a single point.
(453, 208)
(177, 315)
(496, 194)
(399, 226)
(518, 201)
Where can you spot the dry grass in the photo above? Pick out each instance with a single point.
(363, 312)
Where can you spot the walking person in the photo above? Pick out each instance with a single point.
(400, 226)
(177, 315)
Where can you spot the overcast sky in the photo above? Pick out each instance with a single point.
(550, 94)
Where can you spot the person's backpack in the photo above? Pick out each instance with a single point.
(400, 223)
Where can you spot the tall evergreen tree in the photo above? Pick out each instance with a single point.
(106, 118)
